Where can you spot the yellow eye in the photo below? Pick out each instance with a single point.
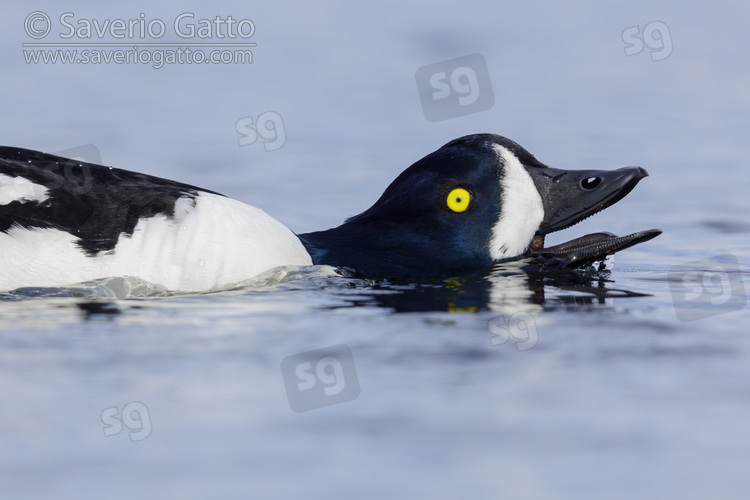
(459, 200)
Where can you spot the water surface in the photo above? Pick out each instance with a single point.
(616, 398)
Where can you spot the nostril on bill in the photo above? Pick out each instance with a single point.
(590, 183)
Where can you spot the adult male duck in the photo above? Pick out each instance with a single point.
(478, 200)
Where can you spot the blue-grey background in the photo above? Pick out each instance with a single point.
(619, 399)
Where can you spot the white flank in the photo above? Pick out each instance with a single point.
(210, 246)
(521, 210)
(20, 189)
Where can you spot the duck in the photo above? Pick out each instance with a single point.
(476, 201)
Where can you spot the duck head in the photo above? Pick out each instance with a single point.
(476, 201)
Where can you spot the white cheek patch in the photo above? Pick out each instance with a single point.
(20, 189)
(521, 210)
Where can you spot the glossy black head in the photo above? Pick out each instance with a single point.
(475, 201)
(434, 219)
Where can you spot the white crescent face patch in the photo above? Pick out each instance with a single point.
(521, 209)
(20, 189)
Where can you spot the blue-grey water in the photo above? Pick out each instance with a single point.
(632, 384)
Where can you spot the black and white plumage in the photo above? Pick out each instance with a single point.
(63, 222)
(477, 200)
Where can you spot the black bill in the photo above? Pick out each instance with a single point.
(570, 196)
(586, 250)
